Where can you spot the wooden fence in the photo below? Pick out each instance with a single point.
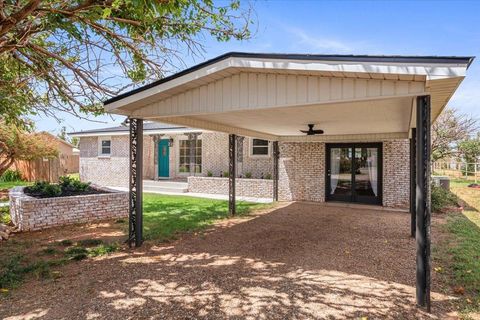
(47, 169)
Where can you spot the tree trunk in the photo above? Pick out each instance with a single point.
(5, 165)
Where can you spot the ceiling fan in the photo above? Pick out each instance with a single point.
(311, 131)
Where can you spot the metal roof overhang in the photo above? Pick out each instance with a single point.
(274, 96)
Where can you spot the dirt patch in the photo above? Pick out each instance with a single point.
(300, 261)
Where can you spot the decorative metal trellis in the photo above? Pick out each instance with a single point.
(232, 139)
(135, 219)
(422, 201)
(276, 155)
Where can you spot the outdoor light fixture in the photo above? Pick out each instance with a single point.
(170, 142)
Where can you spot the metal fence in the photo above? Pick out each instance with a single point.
(463, 170)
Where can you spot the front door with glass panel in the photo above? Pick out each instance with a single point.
(354, 172)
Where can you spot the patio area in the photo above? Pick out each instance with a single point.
(299, 260)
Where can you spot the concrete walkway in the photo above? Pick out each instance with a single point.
(179, 188)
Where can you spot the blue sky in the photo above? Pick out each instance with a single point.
(356, 27)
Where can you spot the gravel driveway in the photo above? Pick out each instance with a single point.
(299, 261)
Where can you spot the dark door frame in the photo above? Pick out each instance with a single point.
(354, 198)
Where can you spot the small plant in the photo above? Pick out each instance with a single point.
(52, 190)
(226, 174)
(70, 184)
(89, 242)
(103, 249)
(11, 176)
(442, 198)
(66, 243)
(268, 176)
(209, 174)
(76, 253)
(49, 251)
(248, 175)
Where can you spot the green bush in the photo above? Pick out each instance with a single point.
(11, 176)
(248, 175)
(226, 174)
(66, 185)
(268, 176)
(70, 184)
(442, 198)
(209, 174)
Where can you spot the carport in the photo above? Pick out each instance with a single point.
(353, 99)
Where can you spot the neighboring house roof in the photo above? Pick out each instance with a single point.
(317, 57)
(148, 129)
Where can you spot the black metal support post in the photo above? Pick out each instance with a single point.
(423, 201)
(232, 139)
(413, 183)
(135, 226)
(276, 155)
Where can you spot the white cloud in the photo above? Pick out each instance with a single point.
(322, 44)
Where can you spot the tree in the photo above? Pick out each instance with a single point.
(448, 130)
(469, 150)
(68, 55)
(63, 134)
(17, 144)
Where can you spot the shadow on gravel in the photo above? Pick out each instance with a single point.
(302, 261)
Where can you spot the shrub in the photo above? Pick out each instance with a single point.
(268, 176)
(11, 176)
(70, 184)
(248, 175)
(66, 185)
(226, 174)
(209, 174)
(442, 198)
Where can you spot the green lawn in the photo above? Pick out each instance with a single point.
(463, 249)
(9, 185)
(164, 216)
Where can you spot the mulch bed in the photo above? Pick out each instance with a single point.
(65, 193)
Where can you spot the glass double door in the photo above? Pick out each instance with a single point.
(354, 173)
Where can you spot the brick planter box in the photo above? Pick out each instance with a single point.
(257, 188)
(29, 213)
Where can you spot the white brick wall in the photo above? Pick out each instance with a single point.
(258, 188)
(30, 213)
(396, 173)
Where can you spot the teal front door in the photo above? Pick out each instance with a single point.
(163, 158)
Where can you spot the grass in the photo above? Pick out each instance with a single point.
(11, 184)
(18, 262)
(75, 176)
(166, 216)
(461, 255)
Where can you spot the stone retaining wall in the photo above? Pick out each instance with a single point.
(257, 188)
(29, 213)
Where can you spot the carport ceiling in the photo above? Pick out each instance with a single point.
(365, 117)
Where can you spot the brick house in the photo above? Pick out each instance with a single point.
(167, 154)
(343, 128)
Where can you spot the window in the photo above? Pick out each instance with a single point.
(259, 148)
(184, 156)
(104, 147)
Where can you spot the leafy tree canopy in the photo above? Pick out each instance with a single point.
(68, 55)
(18, 144)
(448, 130)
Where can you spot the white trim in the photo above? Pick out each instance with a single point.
(100, 149)
(259, 156)
(177, 156)
(431, 71)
